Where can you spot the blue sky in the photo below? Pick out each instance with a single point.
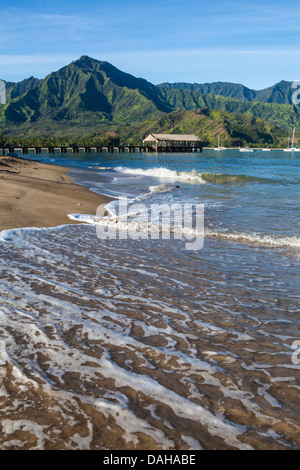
(256, 43)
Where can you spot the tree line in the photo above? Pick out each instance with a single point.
(105, 140)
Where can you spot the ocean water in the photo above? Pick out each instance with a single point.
(141, 343)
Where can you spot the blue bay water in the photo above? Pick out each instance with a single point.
(256, 192)
(146, 344)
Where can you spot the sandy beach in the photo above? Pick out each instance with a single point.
(34, 194)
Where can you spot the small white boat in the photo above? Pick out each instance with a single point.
(292, 148)
(219, 147)
(246, 149)
(266, 150)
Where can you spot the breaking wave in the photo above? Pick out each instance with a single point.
(193, 177)
(185, 176)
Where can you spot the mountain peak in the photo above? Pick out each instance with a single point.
(85, 60)
(90, 62)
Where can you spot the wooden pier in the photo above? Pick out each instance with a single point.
(95, 150)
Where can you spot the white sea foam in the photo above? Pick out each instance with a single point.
(100, 296)
(154, 190)
(255, 238)
(8, 235)
(145, 227)
(185, 176)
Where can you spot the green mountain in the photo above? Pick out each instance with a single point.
(14, 90)
(285, 116)
(280, 93)
(93, 98)
(85, 93)
(229, 90)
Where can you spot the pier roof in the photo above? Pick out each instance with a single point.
(172, 138)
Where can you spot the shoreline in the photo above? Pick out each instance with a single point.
(34, 194)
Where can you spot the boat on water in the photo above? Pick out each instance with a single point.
(246, 149)
(266, 149)
(292, 148)
(219, 146)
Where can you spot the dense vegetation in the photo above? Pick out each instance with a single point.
(285, 116)
(281, 93)
(90, 102)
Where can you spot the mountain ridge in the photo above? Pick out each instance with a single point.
(280, 93)
(89, 96)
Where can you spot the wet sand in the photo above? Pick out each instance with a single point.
(139, 346)
(34, 194)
